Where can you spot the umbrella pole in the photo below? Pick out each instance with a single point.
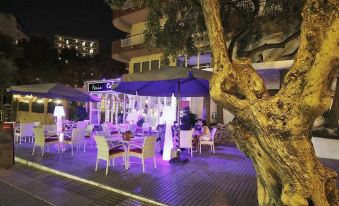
(177, 159)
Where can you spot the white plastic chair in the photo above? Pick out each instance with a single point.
(77, 138)
(106, 153)
(208, 140)
(25, 131)
(145, 151)
(81, 124)
(186, 137)
(41, 141)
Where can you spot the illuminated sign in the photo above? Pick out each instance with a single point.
(100, 87)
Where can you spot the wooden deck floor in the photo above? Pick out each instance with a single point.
(225, 178)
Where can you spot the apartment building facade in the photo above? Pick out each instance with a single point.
(86, 47)
(10, 26)
(131, 50)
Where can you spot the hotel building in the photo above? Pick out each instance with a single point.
(86, 47)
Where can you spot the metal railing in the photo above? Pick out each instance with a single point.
(133, 40)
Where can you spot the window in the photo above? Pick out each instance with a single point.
(50, 107)
(145, 66)
(136, 68)
(23, 106)
(203, 60)
(38, 107)
(155, 64)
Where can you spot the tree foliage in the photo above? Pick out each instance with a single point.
(178, 27)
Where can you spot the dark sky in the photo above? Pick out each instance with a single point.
(82, 18)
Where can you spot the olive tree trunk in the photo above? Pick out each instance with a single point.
(275, 131)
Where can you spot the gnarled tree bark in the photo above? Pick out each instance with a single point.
(275, 131)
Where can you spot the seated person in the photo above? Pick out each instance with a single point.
(206, 135)
(198, 128)
(175, 131)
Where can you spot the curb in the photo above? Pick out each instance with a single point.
(83, 180)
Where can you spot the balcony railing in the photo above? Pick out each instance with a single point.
(133, 40)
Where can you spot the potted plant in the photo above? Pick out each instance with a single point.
(188, 120)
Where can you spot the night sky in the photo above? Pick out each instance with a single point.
(82, 18)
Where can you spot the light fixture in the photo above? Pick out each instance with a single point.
(168, 115)
(58, 101)
(59, 112)
(40, 101)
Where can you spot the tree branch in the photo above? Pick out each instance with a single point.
(309, 80)
(271, 46)
(234, 41)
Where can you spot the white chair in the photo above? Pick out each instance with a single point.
(145, 151)
(41, 141)
(106, 153)
(81, 124)
(89, 133)
(208, 140)
(25, 132)
(77, 138)
(186, 137)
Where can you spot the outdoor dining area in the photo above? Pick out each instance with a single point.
(133, 157)
(120, 139)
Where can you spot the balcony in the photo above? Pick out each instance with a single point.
(133, 40)
(125, 49)
(125, 18)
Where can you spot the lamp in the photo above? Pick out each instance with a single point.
(59, 112)
(168, 116)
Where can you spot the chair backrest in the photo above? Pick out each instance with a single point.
(186, 138)
(206, 131)
(102, 146)
(149, 146)
(78, 135)
(36, 124)
(89, 129)
(214, 130)
(26, 129)
(81, 124)
(39, 136)
(49, 127)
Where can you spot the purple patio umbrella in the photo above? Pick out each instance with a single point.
(55, 90)
(182, 82)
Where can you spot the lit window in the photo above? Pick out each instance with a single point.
(91, 44)
(76, 41)
(67, 41)
(67, 46)
(60, 38)
(59, 45)
(83, 43)
(91, 51)
(76, 47)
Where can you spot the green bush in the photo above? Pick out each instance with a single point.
(188, 120)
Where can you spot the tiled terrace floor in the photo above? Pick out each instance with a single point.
(224, 178)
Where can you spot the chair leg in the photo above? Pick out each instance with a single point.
(96, 164)
(107, 165)
(191, 151)
(113, 161)
(72, 149)
(84, 146)
(143, 164)
(155, 163)
(213, 149)
(42, 150)
(33, 150)
(200, 148)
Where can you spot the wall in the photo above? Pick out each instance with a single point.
(326, 148)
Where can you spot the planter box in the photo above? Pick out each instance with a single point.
(326, 148)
